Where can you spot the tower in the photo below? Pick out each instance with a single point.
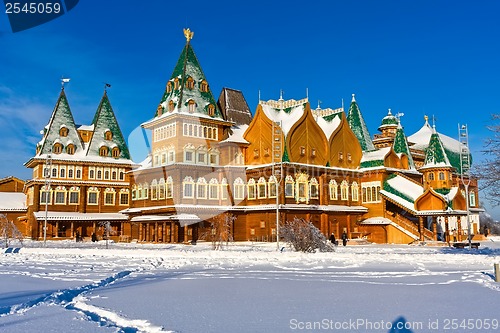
(437, 170)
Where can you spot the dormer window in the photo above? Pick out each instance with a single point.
(63, 132)
(349, 157)
(115, 152)
(57, 149)
(302, 151)
(171, 106)
(108, 135)
(341, 156)
(204, 86)
(191, 106)
(313, 152)
(169, 87)
(211, 110)
(70, 149)
(255, 153)
(190, 83)
(266, 151)
(103, 151)
(176, 83)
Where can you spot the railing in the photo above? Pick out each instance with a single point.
(410, 226)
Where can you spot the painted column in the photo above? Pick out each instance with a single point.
(156, 233)
(434, 228)
(459, 229)
(421, 227)
(72, 229)
(447, 230)
(57, 229)
(148, 232)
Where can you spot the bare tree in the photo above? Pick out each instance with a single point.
(303, 236)
(489, 171)
(221, 231)
(9, 231)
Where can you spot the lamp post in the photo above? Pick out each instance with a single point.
(463, 138)
(48, 170)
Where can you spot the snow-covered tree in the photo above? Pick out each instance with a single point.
(489, 170)
(9, 231)
(302, 235)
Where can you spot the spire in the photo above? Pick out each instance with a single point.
(435, 155)
(400, 145)
(187, 90)
(54, 132)
(107, 132)
(358, 126)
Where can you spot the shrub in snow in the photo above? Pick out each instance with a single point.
(303, 236)
(9, 231)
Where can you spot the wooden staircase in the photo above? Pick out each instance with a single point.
(410, 226)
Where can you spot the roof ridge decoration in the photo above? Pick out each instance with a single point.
(188, 82)
(61, 115)
(105, 121)
(358, 126)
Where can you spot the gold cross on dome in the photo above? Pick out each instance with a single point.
(188, 34)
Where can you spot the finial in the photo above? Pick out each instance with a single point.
(188, 34)
(389, 113)
(281, 94)
(106, 86)
(353, 98)
(319, 104)
(307, 93)
(426, 118)
(259, 96)
(63, 81)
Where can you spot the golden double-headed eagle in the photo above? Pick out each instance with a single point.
(188, 34)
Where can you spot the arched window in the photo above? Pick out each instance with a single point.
(93, 196)
(191, 106)
(103, 151)
(45, 195)
(124, 197)
(70, 149)
(171, 106)
(302, 188)
(62, 172)
(333, 189)
(272, 187)
(108, 135)
(74, 195)
(169, 87)
(161, 189)
(188, 187)
(201, 188)
(169, 187)
(223, 189)
(109, 196)
(204, 86)
(63, 131)
(115, 152)
(91, 174)
(60, 195)
(201, 155)
(154, 190)
(441, 175)
(354, 191)
(213, 189)
(145, 190)
(176, 83)
(344, 187)
(190, 83)
(314, 188)
(211, 110)
(261, 188)
(113, 175)
(289, 187)
(106, 174)
(239, 189)
(251, 189)
(430, 176)
(70, 172)
(57, 148)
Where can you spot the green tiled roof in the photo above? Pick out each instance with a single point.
(400, 145)
(358, 126)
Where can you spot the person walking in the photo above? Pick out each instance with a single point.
(332, 239)
(344, 238)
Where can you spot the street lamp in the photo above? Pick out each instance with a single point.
(463, 138)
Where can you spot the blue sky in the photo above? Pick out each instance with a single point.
(417, 57)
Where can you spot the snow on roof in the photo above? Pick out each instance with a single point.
(406, 187)
(376, 221)
(237, 136)
(86, 127)
(12, 201)
(146, 163)
(422, 137)
(80, 157)
(286, 112)
(40, 215)
(328, 127)
(375, 155)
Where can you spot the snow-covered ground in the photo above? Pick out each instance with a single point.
(248, 287)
